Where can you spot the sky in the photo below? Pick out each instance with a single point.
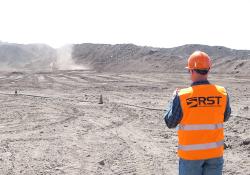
(157, 23)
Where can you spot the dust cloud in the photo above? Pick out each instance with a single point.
(64, 60)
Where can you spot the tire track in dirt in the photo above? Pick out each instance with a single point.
(67, 114)
(135, 156)
(62, 113)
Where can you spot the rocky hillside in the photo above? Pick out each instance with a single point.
(119, 58)
(129, 57)
(31, 57)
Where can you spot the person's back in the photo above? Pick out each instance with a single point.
(200, 111)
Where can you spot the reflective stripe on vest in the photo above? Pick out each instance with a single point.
(200, 127)
(201, 146)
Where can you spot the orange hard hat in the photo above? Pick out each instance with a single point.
(199, 60)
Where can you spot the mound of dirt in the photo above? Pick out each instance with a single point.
(118, 58)
(132, 58)
(31, 57)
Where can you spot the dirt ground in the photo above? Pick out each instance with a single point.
(54, 124)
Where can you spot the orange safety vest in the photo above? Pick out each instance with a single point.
(201, 133)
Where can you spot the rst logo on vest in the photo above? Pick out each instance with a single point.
(210, 101)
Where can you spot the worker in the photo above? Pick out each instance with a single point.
(199, 111)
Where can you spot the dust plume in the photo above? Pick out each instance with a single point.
(64, 60)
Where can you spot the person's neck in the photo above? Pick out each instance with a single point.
(200, 79)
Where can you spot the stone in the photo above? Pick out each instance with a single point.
(102, 163)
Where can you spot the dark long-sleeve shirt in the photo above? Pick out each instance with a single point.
(174, 113)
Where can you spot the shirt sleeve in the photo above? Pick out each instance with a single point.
(227, 113)
(173, 114)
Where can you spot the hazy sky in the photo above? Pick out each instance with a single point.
(159, 23)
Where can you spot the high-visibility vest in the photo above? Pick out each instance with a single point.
(200, 132)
